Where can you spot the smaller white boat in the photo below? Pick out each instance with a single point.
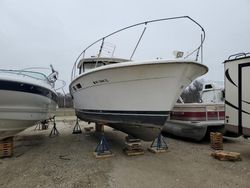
(195, 120)
(26, 97)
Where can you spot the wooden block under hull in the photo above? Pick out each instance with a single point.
(132, 140)
(88, 129)
(133, 144)
(155, 150)
(133, 152)
(226, 156)
(216, 141)
(103, 155)
(6, 147)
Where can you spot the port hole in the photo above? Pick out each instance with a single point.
(78, 86)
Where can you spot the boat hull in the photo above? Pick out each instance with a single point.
(140, 94)
(20, 110)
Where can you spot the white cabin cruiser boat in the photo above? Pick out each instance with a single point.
(132, 96)
(26, 97)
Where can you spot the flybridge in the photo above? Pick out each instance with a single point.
(103, 40)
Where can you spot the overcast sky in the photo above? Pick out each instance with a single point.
(37, 33)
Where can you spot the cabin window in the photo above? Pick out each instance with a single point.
(81, 69)
(79, 86)
(209, 86)
(89, 66)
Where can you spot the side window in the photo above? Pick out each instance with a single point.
(80, 70)
(208, 86)
(79, 86)
(83, 70)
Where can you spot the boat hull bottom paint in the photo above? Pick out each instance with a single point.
(143, 125)
(125, 117)
(145, 133)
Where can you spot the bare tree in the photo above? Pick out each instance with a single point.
(192, 93)
(64, 101)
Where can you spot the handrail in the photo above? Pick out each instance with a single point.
(134, 25)
(63, 85)
(33, 74)
(51, 78)
(238, 55)
(25, 73)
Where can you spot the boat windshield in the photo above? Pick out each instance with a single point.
(91, 65)
(32, 74)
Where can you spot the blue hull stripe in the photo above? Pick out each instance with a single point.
(27, 88)
(129, 117)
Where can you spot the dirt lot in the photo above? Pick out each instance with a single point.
(67, 161)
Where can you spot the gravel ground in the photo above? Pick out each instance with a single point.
(67, 161)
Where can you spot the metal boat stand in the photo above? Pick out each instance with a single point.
(77, 128)
(159, 145)
(102, 150)
(42, 125)
(54, 131)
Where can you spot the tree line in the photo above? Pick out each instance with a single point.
(65, 101)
